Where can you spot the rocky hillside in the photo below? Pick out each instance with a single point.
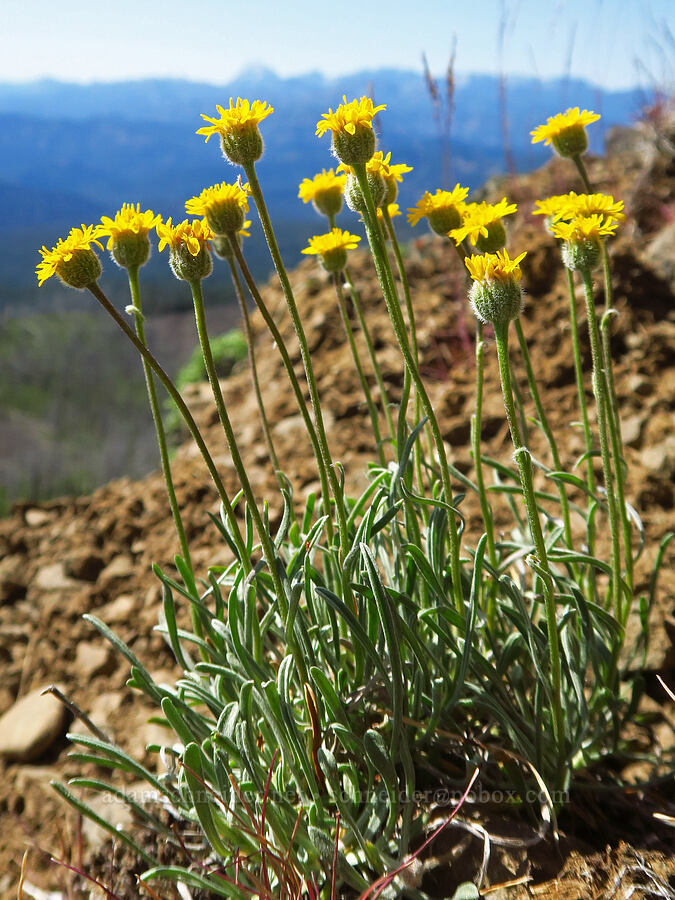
(94, 554)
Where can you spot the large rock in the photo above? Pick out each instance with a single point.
(30, 726)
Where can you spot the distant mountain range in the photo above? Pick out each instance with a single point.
(71, 153)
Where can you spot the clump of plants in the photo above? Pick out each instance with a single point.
(361, 642)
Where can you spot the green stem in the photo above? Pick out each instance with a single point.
(546, 428)
(187, 417)
(290, 371)
(476, 428)
(583, 174)
(254, 371)
(372, 409)
(356, 300)
(412, 328)
(615, 429)
(266, 542)
(588, 435)
(524, 462)
(602, 407)
(135, 292)
(256, 192)
(393, 307)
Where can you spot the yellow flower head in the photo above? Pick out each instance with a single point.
(352, 130)
(495, 295)
(552, 207)
(127, 234)
(349, 117)
(494, 266)
(324, 191)
(332, 248)
(237, 126)
(72, 259)
(582, 236)
(224, 206)
(392, 209)
(482, 224)
(393, 175)
(194, 235)
(189, 246)
(443, 209)
(584, 228)
(566, 131)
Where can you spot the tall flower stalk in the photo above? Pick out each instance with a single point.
(496, 297)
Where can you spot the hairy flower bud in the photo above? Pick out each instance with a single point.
(355, 199)
(581, 254)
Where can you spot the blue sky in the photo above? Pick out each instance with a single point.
(615, 43)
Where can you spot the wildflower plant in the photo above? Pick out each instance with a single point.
(358, 641)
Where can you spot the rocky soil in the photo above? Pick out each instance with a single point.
(61, 559)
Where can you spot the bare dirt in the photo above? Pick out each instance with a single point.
(94, 554)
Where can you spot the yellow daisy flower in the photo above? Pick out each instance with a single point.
(482, 224)
(392, 209)
(237, 126)
(552, 207)
(349, 116)
(127, 234)
(566, 131)
(223, 205)
(583, 228)
(495, 295)
(194, 235)
(189, 245)
(332, 248)
(324, 191)
(443, 209)
(494, 266)
(72, 259)
(352, 130)
(568, 206)
(582, 237)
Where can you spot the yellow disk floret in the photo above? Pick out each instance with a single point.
(223, 205)
(72, 259)
(443, 209)
(332, 248)
(482, 224)
(566, 131)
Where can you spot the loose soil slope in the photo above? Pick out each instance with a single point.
(94, 554)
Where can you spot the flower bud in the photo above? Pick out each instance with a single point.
(570, 142)
(354, 149)
(495, 239)
(355, 199)
(188, 267)
(581, 254)
(497, 302)
(130, 250)
(81, 270)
